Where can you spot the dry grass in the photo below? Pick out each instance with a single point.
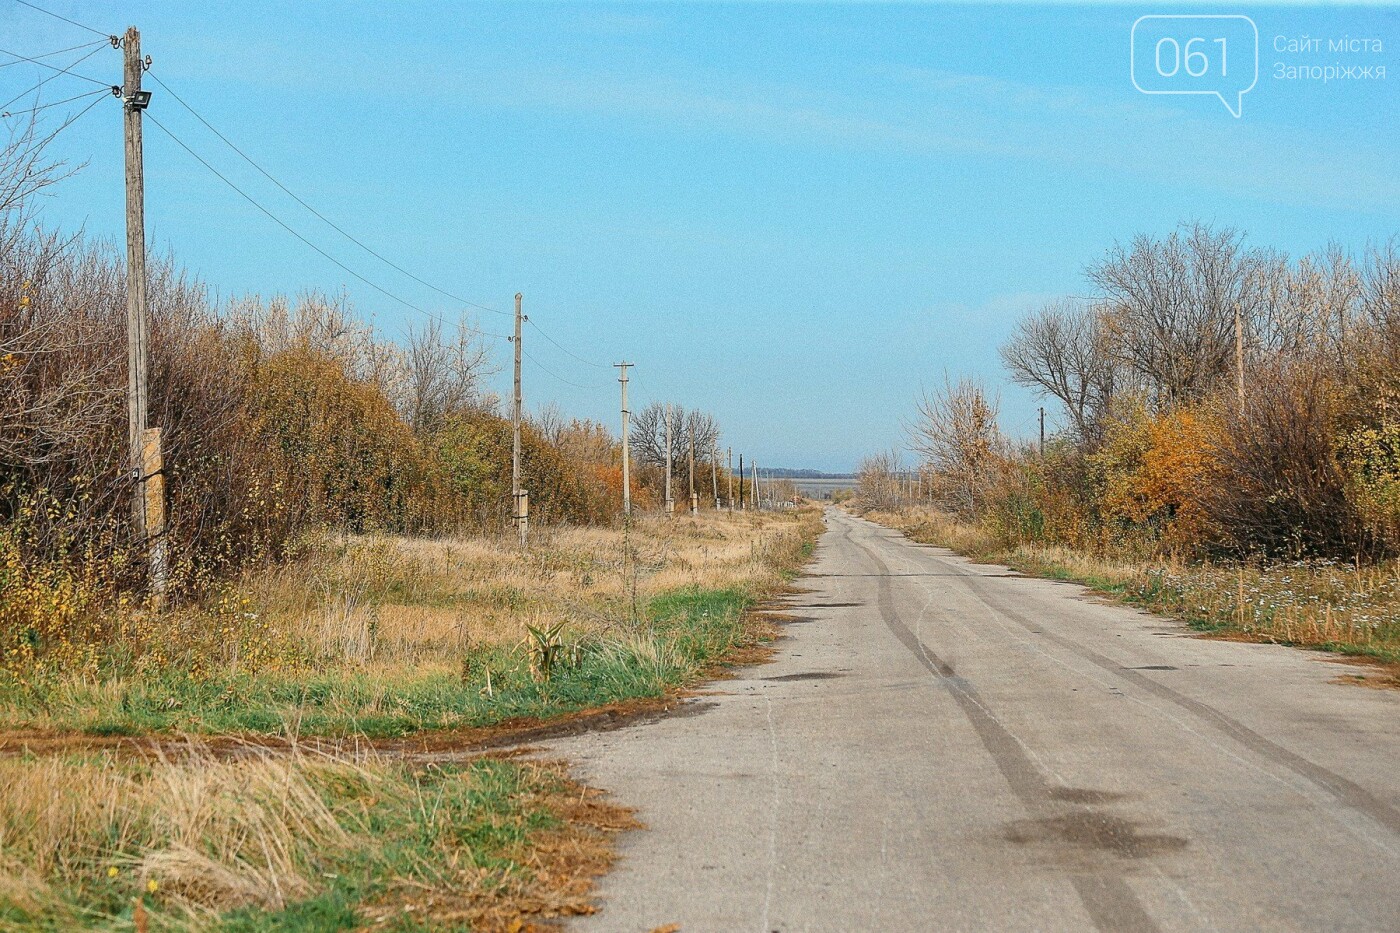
(369, 636)
(409, 600)
(263, 841)
(384, 636)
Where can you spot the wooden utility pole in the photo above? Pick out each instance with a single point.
(670, 503)
(714, 472)
(1239, 354)
(1042, 430)
(626, 443)
(519, 502)
(143, 445)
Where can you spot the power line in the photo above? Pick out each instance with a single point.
(20, 59)
(555, 375)
(57, 103)
(74, 119)
(59, 71)
(347, 234)
(277, 220)
(324, 219)
(64, 18)
(64, 71)
(566, 349)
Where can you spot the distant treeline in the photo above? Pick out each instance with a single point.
(1214, 398)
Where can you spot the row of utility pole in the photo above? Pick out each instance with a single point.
(146, 466)
(668, 501)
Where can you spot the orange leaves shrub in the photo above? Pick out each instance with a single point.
(1155, 469)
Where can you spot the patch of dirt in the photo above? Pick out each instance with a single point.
(564, 863)
(1076, 838)
(1374, 673)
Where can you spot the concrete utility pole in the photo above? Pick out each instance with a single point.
(730, 471)
(626, 443)
(753, 492)
(519, 498)
(741, 482)
(143, 445)
(670, 503)
(1239, 354)
(714, 473)
(694, 499)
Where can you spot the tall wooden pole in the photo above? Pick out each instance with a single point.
(1042, 430)
(143, 446)
(626, 442)
(135, 273)
(694, 500)
(517, 494)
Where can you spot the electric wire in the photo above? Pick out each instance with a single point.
(566, 349)
(69, 121)
(281, 223)
(293, 195)
(525, 353)
(70, 22)
(345, 233)
(58, 71)
(57, 103)
(322, 217)
(20, 59)
(106, 38)
(66, 71)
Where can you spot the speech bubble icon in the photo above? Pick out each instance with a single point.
(1188, 54)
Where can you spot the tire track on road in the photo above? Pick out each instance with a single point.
(1110, 902)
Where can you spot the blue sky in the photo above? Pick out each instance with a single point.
(791, 215)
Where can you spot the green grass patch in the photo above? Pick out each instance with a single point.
(685, 631)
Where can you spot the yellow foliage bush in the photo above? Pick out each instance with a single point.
(1154, 468)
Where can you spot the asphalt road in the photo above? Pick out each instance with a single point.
(941, 745)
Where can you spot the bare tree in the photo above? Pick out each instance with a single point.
(1064, 351)
(877, 480)
(956, 433)
(649, 435)
(443, 375)
(550, 422)
(26, 169)
(1171, 305)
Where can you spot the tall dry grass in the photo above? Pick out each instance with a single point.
(272, 841)
(394, 599)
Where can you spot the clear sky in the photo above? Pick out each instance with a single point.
(791, 215)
